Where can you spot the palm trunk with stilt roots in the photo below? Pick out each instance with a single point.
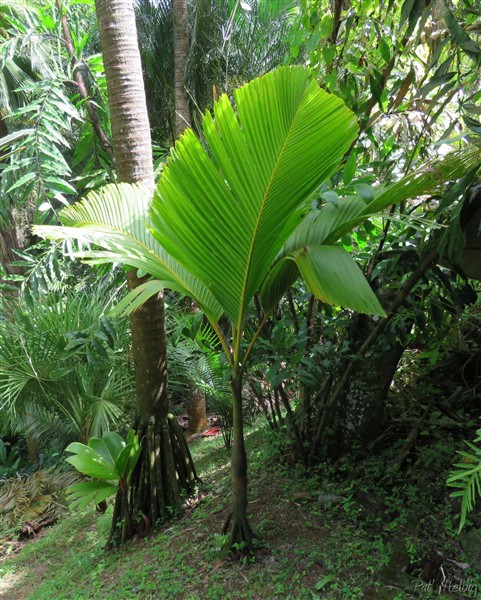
(165, 468)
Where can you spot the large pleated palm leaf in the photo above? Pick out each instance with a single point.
(222, 213)
(234, 217)
(225, 213)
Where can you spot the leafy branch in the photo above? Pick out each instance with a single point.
(467, 478)
(37, 167)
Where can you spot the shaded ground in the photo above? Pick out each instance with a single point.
(341, 536)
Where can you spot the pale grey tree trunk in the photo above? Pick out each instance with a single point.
(196, 405)
(181, 53)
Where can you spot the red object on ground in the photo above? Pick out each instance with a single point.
(211, 432)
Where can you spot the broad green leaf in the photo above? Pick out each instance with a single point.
(99, 446)
(331, 222)
(314, 230)
(93, 466)
(427, 179)
(131, 436)
(279, 279)
(332, 276)
(115, 218)
(224, 213)
(319, 226)
(470, 47)
(349, 169)
(122, 461)
(78, 448)
(114, 443)
(79, 495)
(59, 185)
(93, 460)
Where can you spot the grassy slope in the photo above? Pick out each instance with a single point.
(309, 550)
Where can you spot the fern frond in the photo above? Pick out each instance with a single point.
(467, 479)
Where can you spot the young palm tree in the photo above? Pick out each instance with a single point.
(220, 218)
(236, 219)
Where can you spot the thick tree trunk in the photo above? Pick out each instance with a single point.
(8, 243)
(197, 410)
(15, 230)
(165, 466)
(373, 334)
(361, 409)
(125, 86)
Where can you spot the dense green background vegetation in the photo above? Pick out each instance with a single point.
(361, 422)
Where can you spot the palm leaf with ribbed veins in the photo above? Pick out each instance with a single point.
(115, 218)
(225, 213)
(327, 225)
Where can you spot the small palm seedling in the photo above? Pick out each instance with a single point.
(108, 459)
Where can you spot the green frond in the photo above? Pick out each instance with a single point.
(466, 479)
(333, 276)
(115, 218)
(60, 356)
(328, 224)
(225, 215)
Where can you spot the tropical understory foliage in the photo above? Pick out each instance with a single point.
(315, 236)
(64, 371)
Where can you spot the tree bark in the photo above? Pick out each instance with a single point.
(15, 230)
(181, 53)
(329, 408)
(196, 404)
(197, 410)
(165, 466)
(125, 87)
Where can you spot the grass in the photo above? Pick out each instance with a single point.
(310, 549)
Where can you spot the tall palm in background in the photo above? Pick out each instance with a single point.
(230, 42)
(165, 466)
(190, 49)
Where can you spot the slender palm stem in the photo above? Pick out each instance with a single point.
(253, 341)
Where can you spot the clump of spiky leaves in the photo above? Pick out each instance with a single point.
(30, 502)
(467, 478)
(50, 139)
